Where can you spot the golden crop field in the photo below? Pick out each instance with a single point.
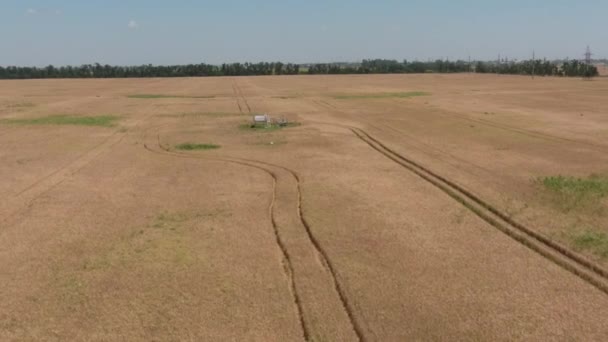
(389, 208)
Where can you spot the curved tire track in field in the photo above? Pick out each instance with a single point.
(417, 144)
(327, 263)
(435, 150)
(505, 127)
(562, 256)
(331, 268)
(288, 257)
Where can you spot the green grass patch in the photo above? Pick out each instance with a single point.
(201, 114)
(267, 128)
(164, 242)
(102, 121)
(402, 95)
(286, 97)
(160, 96)
(196, 147)
(594, 185)
(21, 105)
(170, 221)
(573, 192)
(259, 128)
(592, 241)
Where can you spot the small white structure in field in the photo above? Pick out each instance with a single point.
(261, 120)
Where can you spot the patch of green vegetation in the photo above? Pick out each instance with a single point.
(286, 97)
(201, 114)
(261, 128)
(267, 128)
(573, 192)
(402, 95)
(168, 220)
(593, 186)
(21, 105)
(196, 147)
(592, 241)
(103, 120)
(164, 241)
(72, 290)
(161, 96)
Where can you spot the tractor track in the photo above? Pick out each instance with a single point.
(530, 133)
(433, 150)
(32, 192)
(238, 94)
(560, 255)
(287, 257)
(519, 130)
(331, 268)
(417, 144)
(505, 127)
(48, 182)
(326, 261)
(329, 265)
(243, 96)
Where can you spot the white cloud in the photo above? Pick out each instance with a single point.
(133, 25)
(43, 11)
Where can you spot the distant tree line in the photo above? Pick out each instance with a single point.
(109, 71)
(376, 66)
(572, 68)
(385, 66)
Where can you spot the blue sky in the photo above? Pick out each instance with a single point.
(130, 32)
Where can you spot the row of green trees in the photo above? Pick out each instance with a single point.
(257, 69)
(109, 71)
(376, 66)
(386, 66)
(572, 68)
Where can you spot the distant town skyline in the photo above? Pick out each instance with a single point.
(66, 32)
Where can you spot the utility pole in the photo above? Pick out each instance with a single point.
(533, 63)
(498, 65)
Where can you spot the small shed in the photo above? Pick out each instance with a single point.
(259, 120)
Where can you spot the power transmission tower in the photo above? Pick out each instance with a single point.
(588, 55)
(588, 62)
